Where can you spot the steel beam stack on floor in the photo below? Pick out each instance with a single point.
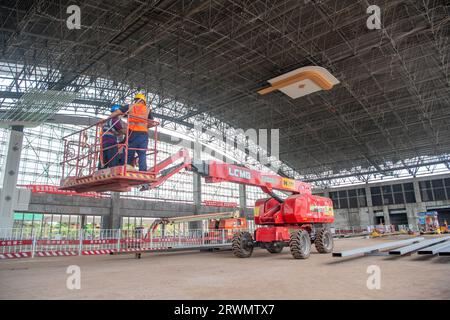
(376, 248)
(414, 247)
(436, 249)
(445, 251)
(440, 246)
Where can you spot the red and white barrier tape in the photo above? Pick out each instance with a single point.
(95, 252)
(55, 253)
(15, 255)
(126, 245)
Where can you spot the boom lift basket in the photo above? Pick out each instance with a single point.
(83, 161)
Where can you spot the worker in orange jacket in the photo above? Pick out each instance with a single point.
(138, 115)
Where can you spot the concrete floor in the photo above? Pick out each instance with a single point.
(219, 275)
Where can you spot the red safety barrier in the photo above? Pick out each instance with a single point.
(56, 253)
(100, 241)
(19, 244)
(56, 242)
(15, 243)
(97, 252)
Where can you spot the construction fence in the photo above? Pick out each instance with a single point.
(38, 242)
(382, 229)
(26, 243)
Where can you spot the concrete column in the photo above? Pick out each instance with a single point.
(83, 221)
(197, 192)
(112, 220)
(242, 200)
(387, 219)
(417, 193)
(370, 206)
(10, 173)
(419, 206)
(197, 188)
(411, 212)
(163, 230)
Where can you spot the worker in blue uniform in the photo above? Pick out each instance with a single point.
(112, 129)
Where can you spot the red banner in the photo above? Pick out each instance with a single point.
(212, 203)
(57, 242)
(100, 241)
(6, 243)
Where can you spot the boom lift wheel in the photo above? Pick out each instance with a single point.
(274, 247)
(324, 241)
(300, 244)
(242, 244)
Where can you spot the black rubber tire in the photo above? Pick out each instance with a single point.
(300, 244)
(274, 248)
(324, 241)
(242, 244)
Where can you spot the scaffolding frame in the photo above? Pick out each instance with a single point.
(387, 119)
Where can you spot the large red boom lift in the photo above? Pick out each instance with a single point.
(295, 221)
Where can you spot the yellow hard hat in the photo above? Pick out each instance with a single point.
(140, 96)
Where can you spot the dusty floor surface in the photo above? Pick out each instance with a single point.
(219, 275)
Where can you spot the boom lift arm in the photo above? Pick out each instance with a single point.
(217, 171)
(166, 173)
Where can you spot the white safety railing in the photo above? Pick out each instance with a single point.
(349, 231)
(382, 228)
(99, 241)
(20, 243)
(16, 243)
(407, 227)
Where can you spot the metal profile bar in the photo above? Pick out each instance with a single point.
(414, 247)
(435, 249)
(444, 251)
(375, 248)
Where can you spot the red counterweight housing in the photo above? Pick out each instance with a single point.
(296, 212)
(296, 209)
(307, 208)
